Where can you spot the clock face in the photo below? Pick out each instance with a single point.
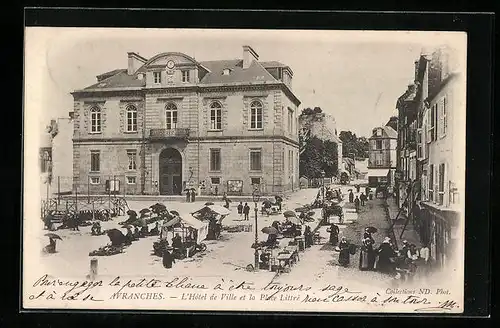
(170, 64)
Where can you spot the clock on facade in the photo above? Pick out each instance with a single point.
(170, 64)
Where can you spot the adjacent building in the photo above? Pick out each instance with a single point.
(431, 151)
(56, 154)
(382, 157)
(171, 122)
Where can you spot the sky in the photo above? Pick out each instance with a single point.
(356, 76)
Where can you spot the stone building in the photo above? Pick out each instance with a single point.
(171, 122)
(382, 156)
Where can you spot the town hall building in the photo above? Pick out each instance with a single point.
(171, 122)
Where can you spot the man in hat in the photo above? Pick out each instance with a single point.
(168, 258)
(240, 209)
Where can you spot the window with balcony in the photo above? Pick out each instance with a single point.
(185, 76)
(95, 119)
(215, 160)
(255, 160)
(171, 116)
(157, 77)
(215, 116)
(256, 115)
(132, 157)
(95, 161)
(131, 119)
(441, 173)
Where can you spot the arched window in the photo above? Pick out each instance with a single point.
(256, 115)
(216, 116)
(95, 119)
(171, 116)
(131, 118)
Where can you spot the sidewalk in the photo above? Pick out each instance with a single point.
(182, 198)
(409, 234)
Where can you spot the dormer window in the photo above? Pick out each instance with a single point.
(226, 71)
(185, 76)
(157, 77)
(379, 132)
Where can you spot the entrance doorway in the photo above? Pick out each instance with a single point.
(170, 172)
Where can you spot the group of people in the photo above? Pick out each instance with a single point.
(190, 195)
(362, 199)
(402, 264)
(244, 211)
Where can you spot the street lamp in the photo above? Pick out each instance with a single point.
(256, 198)
(323, 183)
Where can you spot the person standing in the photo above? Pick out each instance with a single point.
(334, 234)
(356, 204)
(413, 256)
(357, 188)
(168, 258)
(344, 255)
(362, 199)
(240, 209)
(308, 236)
(425, 256)
(246, 211)
(366, 255)
(351, 196)
(385, 254)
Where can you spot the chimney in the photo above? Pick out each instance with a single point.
(134, 62)
(249, 55)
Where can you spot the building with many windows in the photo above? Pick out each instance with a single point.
(382, 156)
(171, 122)
(431, 151)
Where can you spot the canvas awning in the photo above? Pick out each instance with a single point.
(378, 172)
(192, 221)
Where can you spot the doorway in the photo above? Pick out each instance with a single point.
(170, 172)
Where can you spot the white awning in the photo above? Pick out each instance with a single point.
(192, 221)
(378, 172)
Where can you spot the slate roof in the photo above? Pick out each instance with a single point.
(387, 132)
(256, 73)
(120, 80)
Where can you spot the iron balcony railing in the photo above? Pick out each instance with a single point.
(178, 133)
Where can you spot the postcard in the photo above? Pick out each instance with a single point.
(244, 170)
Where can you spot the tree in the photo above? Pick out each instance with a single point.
(351, 144)
(318, 155)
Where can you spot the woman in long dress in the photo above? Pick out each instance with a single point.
(385, 254)
(334, 234)
(364, 255)
(344, 255)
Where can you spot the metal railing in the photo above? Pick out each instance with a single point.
(180, 133)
